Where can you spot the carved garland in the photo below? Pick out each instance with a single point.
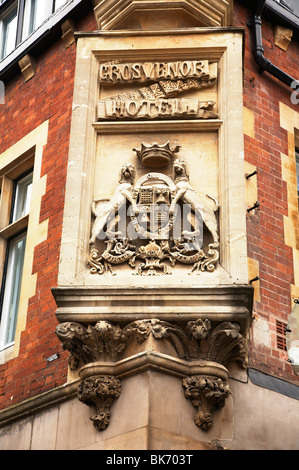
(100, 392)
(206, 394)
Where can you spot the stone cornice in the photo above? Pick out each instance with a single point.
(127, 304)
(153, 360)
(164, 32)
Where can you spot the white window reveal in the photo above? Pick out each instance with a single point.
(22, 197)
(8, 31)
(13, 270)
(12, 289)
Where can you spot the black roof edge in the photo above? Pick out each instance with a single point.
(42, 42)
(276, 14)
(282, 15)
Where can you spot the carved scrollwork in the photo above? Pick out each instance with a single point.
(206, 394)
(169, 222)
(102, 342)
(99, 392)
(153, 254)
(197, 340)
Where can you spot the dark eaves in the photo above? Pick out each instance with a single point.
(264, 63)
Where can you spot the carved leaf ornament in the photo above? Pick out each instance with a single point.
(100, 392)
(198, 340)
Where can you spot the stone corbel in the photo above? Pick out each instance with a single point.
(222, 343)
(207, 394)
(99, 392)
(27, 65)
(198, 353)
(68, 30)
(102, 342)
(283, 37)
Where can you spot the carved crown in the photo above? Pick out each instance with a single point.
(155, 155)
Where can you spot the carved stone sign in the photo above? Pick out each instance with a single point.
(152, 109)
(158, 98)
(153, 71)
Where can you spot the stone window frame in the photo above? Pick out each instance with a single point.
(24, 155)
(10, 229)
(8, 176)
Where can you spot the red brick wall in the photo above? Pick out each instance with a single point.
(262, 94)
(47, 96)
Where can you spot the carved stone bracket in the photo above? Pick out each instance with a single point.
(101, 342)
(99, 391)
(222, 344)
(198, 342)
(206, 394)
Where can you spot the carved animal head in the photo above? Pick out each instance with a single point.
(180, 170)
(127, 173)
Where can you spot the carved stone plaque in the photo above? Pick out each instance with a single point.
(159, 98)
(155, 222)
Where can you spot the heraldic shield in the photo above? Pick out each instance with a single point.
(153, 194)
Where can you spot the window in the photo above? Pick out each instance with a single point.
(36, 12)
(20, 18)
(12, 289)
(15, 209)
(8, 31)
(22, 197)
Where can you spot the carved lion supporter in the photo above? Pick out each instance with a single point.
(102, 210)
(203, 205)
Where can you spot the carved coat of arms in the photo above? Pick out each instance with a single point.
(155, 222)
